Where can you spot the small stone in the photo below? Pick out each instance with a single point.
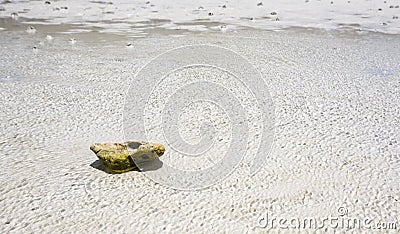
(31, 30)
(14, 16)
(274, 13)
(72, 41)
(223, 28)
(210, 14)
(47, 2)
(259, 4)
(122, 157)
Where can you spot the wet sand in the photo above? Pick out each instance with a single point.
(134, 16)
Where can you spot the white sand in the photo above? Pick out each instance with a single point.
(336, 101)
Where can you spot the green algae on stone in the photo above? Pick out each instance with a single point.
(158, 148)
(122, 157)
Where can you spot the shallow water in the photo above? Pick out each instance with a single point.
(337, 130)
(335, 94)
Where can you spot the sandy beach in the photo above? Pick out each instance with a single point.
(335, 150)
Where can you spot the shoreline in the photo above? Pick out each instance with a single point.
(95, 35)
(8, 24)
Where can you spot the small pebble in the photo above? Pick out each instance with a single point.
(274, 13)
(210, 14)
(72, 41)
(14, 16)
(223, 28)
(31, 30)
(49, 38)
(259, 4)
(47, 2)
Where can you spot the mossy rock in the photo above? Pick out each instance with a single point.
(126, 156)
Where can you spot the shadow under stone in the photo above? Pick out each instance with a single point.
(150, 165)
(145, 166)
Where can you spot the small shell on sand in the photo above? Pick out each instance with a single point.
(14, 16)
(49, 38)
(31, 30)
(72, 41)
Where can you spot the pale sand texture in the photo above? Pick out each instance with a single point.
(337, 113)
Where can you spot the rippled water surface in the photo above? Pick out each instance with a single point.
(65, 68)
